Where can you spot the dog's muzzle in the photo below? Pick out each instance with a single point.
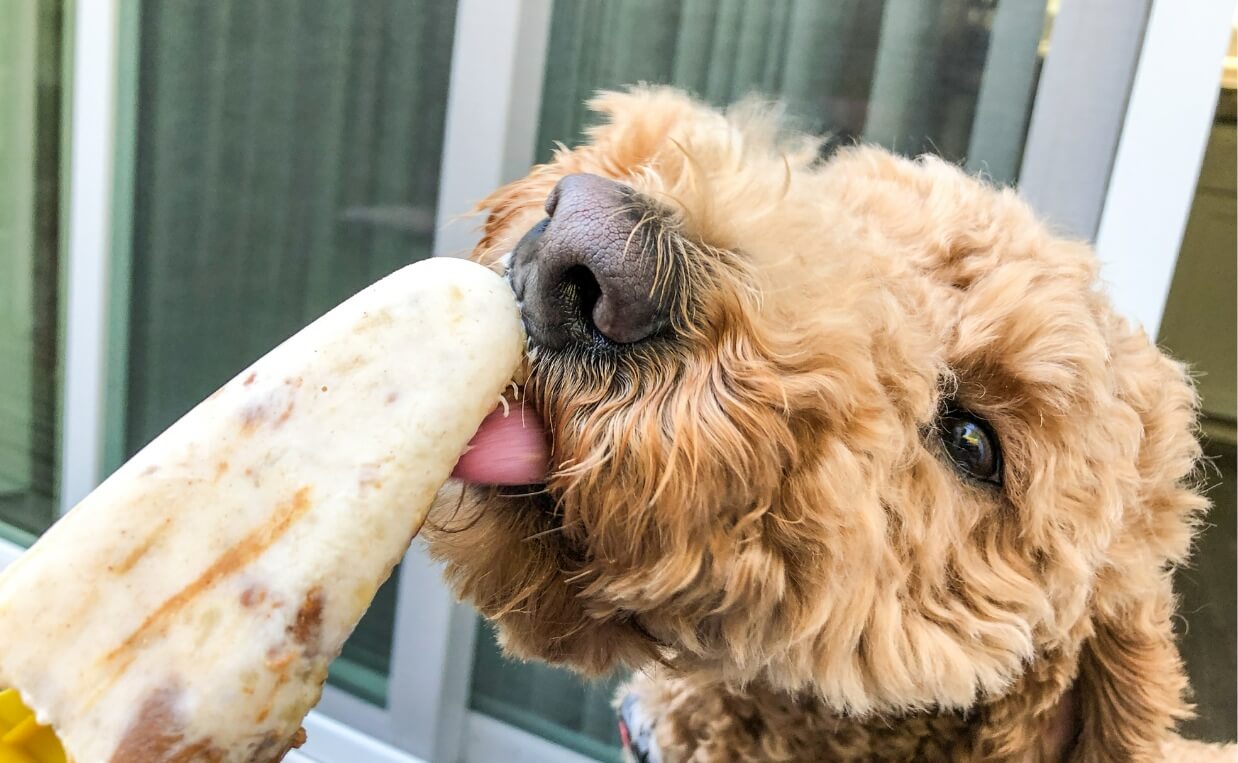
(588, 273)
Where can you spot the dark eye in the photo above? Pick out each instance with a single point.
(971, 445)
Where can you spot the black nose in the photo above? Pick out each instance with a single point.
(588, 271)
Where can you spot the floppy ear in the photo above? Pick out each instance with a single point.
(1114, 688)
(1132, 684)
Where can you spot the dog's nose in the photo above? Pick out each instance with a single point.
(586, 272)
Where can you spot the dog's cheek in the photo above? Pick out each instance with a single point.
(481, 539)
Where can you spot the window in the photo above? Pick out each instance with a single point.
(30, 98)
(273, 157)
(1198, 328)
(549, 702)
(286, 155)
(953, 77)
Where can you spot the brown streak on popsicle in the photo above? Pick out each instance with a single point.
(251, 415)
(135, 556)
(250, 379)
(277, 660)
(278, 664)
(375, 319)
(220, 469)
(345, 367)
(282, 400)
(236, 557)
(369, 476)
(253, 596)
(274, 747)
(283, 416)
(306, 628)
(155, 734)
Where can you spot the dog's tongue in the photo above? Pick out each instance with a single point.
(510, 448)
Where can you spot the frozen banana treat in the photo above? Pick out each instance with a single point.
(187, 609)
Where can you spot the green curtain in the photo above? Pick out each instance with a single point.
(30, 98)
(287, 155)
(903, 73)
(953, 77)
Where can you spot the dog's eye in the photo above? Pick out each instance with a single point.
(972, 446)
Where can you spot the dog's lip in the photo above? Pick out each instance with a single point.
(509, 448)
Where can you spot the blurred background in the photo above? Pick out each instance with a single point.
(184, 183)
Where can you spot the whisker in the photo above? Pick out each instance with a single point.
(542, 491)
(551, 531)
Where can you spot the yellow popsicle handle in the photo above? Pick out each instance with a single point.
(22, 739)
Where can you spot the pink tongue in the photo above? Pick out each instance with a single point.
(507, 450)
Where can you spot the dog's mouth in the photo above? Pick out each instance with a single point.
(510, 448)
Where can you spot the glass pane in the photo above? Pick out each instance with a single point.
(287, 155)
(30, 94)
(1200, 312)
(1199, 328)
(550, 702)
(952, 77)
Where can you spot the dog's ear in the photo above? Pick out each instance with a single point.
(1114, 687)
(1131, 683)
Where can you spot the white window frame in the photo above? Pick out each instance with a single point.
(92, 125)
(1121, 170)
(1098, 162)
(1165, 131)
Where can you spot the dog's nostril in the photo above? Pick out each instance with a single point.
(583, 291)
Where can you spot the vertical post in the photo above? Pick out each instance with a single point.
(1164, 134)
(91, 143)
(497, 66)
(1077, 116)
(493, 105)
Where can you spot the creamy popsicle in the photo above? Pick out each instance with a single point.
(187, 609)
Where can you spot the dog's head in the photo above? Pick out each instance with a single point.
(860, 427)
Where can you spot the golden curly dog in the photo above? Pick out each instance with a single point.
(852, 460)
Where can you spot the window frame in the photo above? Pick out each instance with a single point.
(1156, 168)
(1128, 67)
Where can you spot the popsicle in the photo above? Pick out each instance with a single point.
(187, 609)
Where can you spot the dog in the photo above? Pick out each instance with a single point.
(851, 458)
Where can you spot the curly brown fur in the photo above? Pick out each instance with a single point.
(757, 502)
